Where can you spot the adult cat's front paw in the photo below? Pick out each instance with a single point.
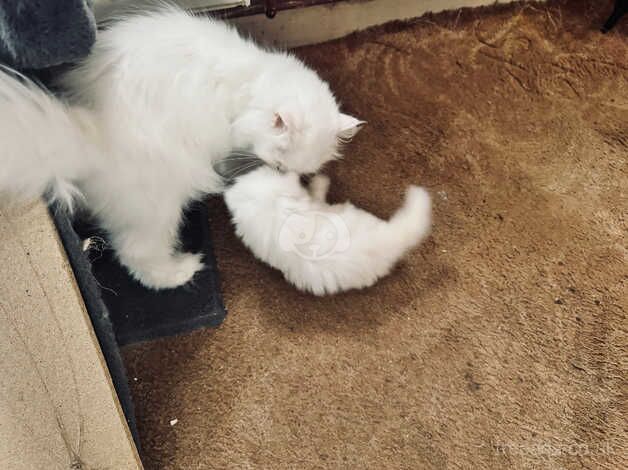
(170, 273)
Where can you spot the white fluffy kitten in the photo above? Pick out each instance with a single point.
(162, 97)
(319, 247)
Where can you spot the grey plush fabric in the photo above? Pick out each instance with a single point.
(35, 34)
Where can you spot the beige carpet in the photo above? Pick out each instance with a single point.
(501, 343)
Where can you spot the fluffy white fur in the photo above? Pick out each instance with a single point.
(161, 98)
(319, 247)
(44, 144)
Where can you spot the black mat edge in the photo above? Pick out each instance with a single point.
(99, 315)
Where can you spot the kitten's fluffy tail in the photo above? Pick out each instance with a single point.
(411, 223)
(42, 142)
(385, 246)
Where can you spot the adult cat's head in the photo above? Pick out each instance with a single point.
(293, 121)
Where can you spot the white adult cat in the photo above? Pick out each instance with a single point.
(319, 247)
(162, 96)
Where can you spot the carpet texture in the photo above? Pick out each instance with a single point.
(501, 342)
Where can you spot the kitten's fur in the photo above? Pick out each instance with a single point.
(162, 97)
(319, 247)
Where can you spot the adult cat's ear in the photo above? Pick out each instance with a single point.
(284, 120)
(349, 126)
(279, 122)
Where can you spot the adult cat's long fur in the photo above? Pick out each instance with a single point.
(44, 145)
(161, 98)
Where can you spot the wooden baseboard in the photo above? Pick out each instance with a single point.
(271, 7)
(314, 24)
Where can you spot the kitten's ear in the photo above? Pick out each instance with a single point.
(349, 126)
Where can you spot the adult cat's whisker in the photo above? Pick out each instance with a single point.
(240, 155)
(242, 170)
(243, 154)
(243, 158)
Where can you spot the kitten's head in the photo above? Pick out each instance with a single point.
(295, 122)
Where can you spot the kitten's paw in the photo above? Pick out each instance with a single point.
(319, 185)
(174, 272)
